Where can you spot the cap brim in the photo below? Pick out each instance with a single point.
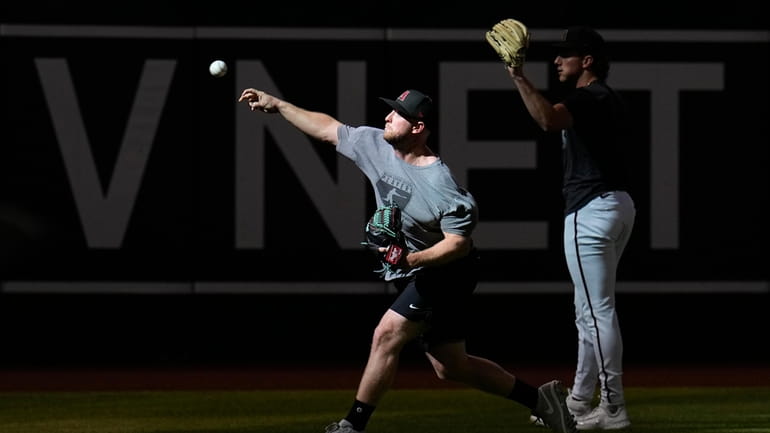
(393, 104)
(396, 106)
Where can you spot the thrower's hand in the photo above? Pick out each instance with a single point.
(259, 100)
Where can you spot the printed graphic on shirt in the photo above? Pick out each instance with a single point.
(394, 190)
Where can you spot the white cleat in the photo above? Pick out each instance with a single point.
(604, 417)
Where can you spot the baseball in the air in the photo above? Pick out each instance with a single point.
(218, 68)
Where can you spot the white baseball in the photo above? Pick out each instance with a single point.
(218, 68)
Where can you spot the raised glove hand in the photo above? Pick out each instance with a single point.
(384, 237)
(510, 40)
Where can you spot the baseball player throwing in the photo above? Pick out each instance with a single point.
(436, 274)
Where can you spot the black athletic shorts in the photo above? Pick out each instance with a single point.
(439, 296)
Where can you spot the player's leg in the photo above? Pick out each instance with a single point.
(547, 402)
(389, 338)
(449, 293)
(596, 235)
(451, 362)
(627, 212)
(587, 370)
(398, 326)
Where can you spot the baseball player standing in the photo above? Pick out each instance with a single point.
(599, 215)
(438, 274)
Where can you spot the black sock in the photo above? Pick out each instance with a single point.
(524, 393)
(359, 415)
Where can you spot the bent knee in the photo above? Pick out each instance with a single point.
(388, 336)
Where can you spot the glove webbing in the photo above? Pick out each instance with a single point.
(384, 221)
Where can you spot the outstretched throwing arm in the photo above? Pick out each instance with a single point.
(318, 125)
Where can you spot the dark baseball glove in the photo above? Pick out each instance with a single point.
(510, 40)
(384, 237)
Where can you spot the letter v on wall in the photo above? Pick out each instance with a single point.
(105, 214)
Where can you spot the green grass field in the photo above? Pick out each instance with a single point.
(658, 410)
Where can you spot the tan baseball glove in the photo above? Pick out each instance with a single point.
(510, 39)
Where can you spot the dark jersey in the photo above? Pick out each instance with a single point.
(592, 150)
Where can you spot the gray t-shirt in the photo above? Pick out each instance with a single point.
(429, 197)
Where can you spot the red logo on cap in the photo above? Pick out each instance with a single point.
(403, 96)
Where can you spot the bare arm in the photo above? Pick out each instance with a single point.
(320, 126)
(550, 117)
(450, 248)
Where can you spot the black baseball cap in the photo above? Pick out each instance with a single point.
(581, 40)
(412, 104)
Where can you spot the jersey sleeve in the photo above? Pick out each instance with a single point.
(354, 141)
(461, 216)
(345, 142)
